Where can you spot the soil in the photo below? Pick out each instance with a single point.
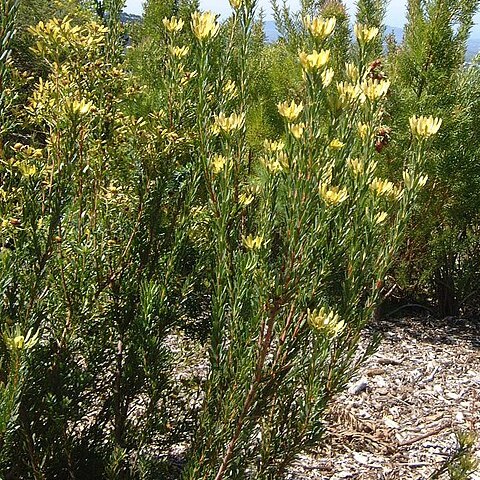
(399, 416)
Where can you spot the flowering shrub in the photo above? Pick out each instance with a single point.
(112, 222)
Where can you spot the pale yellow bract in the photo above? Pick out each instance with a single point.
(297, 130)
(205, 25)
(381, 187)
(336, 144)
(253, 243)
(228, 124)
(290, 111)
(332, 195)
(326, 321)
(364, 33)
(173, 24)
(218, 162)
(314, 61)
(424, 127)
(319, 27)
(273, 146)
(236, 4)
(375, 89)
(178, 52)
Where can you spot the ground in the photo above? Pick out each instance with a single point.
(397, 421)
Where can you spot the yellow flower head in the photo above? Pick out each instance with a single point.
(314, 61)
(327, 321)
(319, 27)
(236, 4)
(332, 195)
(173, 24)
(356, 165)
(26, 169)
(253, 243)
(21, 342)
(410, 181)
(380, 218)
(290, 111)
(229, 124)
(352, 71)
(178, 52)
(297, 130)
(381, 187)
(364, 33)
(363, 130)
(77, 107)
(424, 127)
(273, 146)
(218, 162)
(204, 25)
(375, 89)
(336, 144)
(349, 93)
(245, 199)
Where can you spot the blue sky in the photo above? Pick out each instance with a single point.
(395, 13)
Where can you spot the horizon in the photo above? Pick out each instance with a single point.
(395, 16)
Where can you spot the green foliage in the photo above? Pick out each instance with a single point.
(198, 231)
(433, 80)
(462, 462)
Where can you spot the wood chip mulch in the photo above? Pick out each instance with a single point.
(397, 420)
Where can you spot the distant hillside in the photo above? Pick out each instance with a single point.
(129, 18)
(473, 47)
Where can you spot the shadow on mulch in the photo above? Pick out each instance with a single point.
(447, 331)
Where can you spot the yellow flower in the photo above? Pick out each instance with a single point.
(273, 146)
(26, 169)
(410, 181)
(380, 218)
(336, 144)
(327, 321)
(381, 187)
(422, 180)
(218, 162)
(314, 61)
(327, 77)
(364, 33)
(349, 92)
(352, 71)
(273, 166)
(332, 195)
(21, 342)
(178, 52)
(424, 127)
(374, 89)
(79, 107)
(204, 25)
(356, 165)
(245, 199)
(228, 124)
(236, 4)
(253, 243)
(319, 27)
(363, 130)
(290, 111)
(173, 24)
(297, 129)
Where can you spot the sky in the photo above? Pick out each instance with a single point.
(395, 12)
